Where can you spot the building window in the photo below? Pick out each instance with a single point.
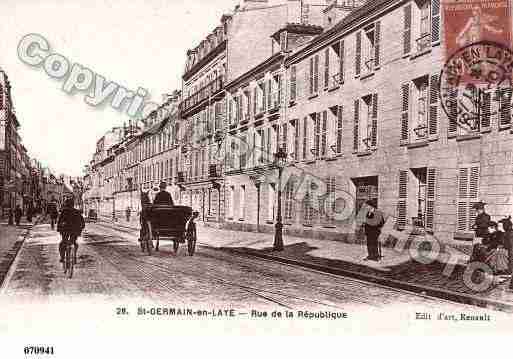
(293, 84)
(231, 202)
(366, 112)
(314, 75)
(423, 37)
(368, 50)
(289, 200)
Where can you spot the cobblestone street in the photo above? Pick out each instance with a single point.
(112, 267)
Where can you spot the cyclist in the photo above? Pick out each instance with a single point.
(70, 225)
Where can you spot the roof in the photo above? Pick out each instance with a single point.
(367, 9)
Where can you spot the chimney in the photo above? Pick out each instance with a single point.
(338, 10)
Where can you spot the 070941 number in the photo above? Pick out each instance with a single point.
(38, 350)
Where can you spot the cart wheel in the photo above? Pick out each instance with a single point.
(191, 246)
(176, 243)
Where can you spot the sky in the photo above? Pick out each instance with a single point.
(136, 43)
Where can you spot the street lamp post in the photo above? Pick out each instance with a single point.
(280, 161)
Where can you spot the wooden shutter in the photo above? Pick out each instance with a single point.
(402, 199)
(407, 30)
(293, 86)
(452, 106)
(358, 57)
(264, 96)
(374, 134)
(341, 63)
(468, 194)
(324, 133)
(355, 125)
(317, 127)
(316, 73)
(435, 21)
(377, 35)
(268, 144)
(505, 106)
(240, 112)
(339, 128)
(430, 199)
(296, 139)
(433, 105)
(305, 137)
(405, 89)
(311, 79)
(284, 135)
(327, 67)
(486, 111)
(255, 100)
(270, 94)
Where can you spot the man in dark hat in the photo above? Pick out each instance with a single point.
(480, 227)
(374, 221)
(163, 197)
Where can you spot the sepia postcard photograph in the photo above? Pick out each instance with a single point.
(278, 168)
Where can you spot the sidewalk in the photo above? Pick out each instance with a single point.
(11, 239)
(396, 269)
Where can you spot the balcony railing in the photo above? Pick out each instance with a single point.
(203, 93)
(423, 42)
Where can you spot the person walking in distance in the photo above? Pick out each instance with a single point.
(51, 210)
(17, 215)
(374, 221)
(163, 197)
(70, 225)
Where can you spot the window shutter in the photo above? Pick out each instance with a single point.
(230, 110)
(435, 21)
(293, 86)
(374, 134)
(311, 79)
(264, 96)
(317, 125)
(430, 199)
(486, 111)
(341, 64)
(433, 105)
(377, 35)
(284, 130)
(505, 106)
(255, 100)
(358, 57)
(268, 143)
(355, 126)
(405, 89)
(468, 188)
(270, 94)
(316, 73)
(327, 67)
(305, 137)
(241, 110)
(407, 30)
(324, 132)
(296, 139)
(402, 199)
(452, 104)
(339, 129)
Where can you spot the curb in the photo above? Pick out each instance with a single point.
(397, 284)
(13, 255)
(429, 291)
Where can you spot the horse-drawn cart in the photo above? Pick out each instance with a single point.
(167, 223)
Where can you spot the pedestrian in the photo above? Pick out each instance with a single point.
(374, 221)
(30, 212)
(480, 227)
(128, 212)
(17, 214)
(51, 209)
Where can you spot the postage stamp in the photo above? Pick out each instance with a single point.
(469, 21)
(476, 84)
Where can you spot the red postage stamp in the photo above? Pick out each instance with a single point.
(470, 21)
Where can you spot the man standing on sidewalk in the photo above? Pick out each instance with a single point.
(51, 210)
(480, 228)
(374, 221)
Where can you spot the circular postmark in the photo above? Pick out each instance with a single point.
(476, 84)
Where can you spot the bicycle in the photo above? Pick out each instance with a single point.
(69, 259)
